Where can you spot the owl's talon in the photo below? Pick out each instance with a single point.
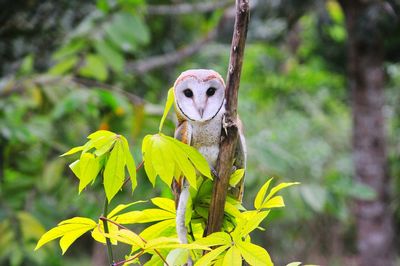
(214, 173)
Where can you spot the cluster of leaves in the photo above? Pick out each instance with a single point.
(108, 153)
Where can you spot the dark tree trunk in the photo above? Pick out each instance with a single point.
(366, 81)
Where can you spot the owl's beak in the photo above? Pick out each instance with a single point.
(201, 112)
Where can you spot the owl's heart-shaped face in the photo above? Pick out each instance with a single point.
(199, 94)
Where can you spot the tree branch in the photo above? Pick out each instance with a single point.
(150, 63)
(180, 9)
(228, 144)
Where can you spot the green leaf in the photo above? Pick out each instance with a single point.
(314, 195)
(89, 168)
(71, 48)
(112, 57)
(253, 254)
(168, 105)
(164, 203)
(127, 31)
(94, 67)
(114, 171)
(207, 259)
(261, 194)
(26, 65)
(232, 257)
(64, 66)
(236, 177)
(69, 230)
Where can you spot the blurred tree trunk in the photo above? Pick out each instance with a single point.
(366, 81)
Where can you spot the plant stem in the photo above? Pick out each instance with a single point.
(109, 247)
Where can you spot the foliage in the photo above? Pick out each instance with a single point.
(293, 104)
(108, 153)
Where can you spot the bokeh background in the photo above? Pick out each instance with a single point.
(70, 67)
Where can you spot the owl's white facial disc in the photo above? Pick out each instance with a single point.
(199, 94)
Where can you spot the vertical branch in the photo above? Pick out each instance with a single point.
(228, 144)
(106, 230)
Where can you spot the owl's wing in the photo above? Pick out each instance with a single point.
(240, 162)
(183, 133)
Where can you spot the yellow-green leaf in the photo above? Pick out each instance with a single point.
(162, 159)
(89, 168)
(98, 233)
(281, 186)
(207, 259)
(232, 257)
(168, 105)
(122, 207)
(72, 151)
(295, 263)
(164, 203)
(75, 167)
(275, 202)
(236, 177)
(261, 194)
(215, 239)
(71, 229)
(130, 163)
(196, 158)
(148, 164)
(101, 134)
(114, 172)
(145, 216)
(127, 237)
(253, 254)
(163, 228)
(253, 222)
(177, 256)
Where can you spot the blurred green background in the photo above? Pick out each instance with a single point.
(69, 67)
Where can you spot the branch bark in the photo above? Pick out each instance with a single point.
(228, 144)
(151, 63)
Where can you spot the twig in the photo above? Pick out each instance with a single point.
(108, 242)
(103, 218)
(137, 169)
(150, 63)
(180, 9)
(228, 144)
(154, 62)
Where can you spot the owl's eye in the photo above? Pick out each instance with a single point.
(211, 91)
(188, 93)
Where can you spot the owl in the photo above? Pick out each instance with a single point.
(200, 109)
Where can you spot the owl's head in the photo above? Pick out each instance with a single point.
(199, 94)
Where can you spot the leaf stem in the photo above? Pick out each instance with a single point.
(108, 241)
(104, 219)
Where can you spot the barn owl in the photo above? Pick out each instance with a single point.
(200, 108)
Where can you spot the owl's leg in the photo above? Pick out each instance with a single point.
(180, 215)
